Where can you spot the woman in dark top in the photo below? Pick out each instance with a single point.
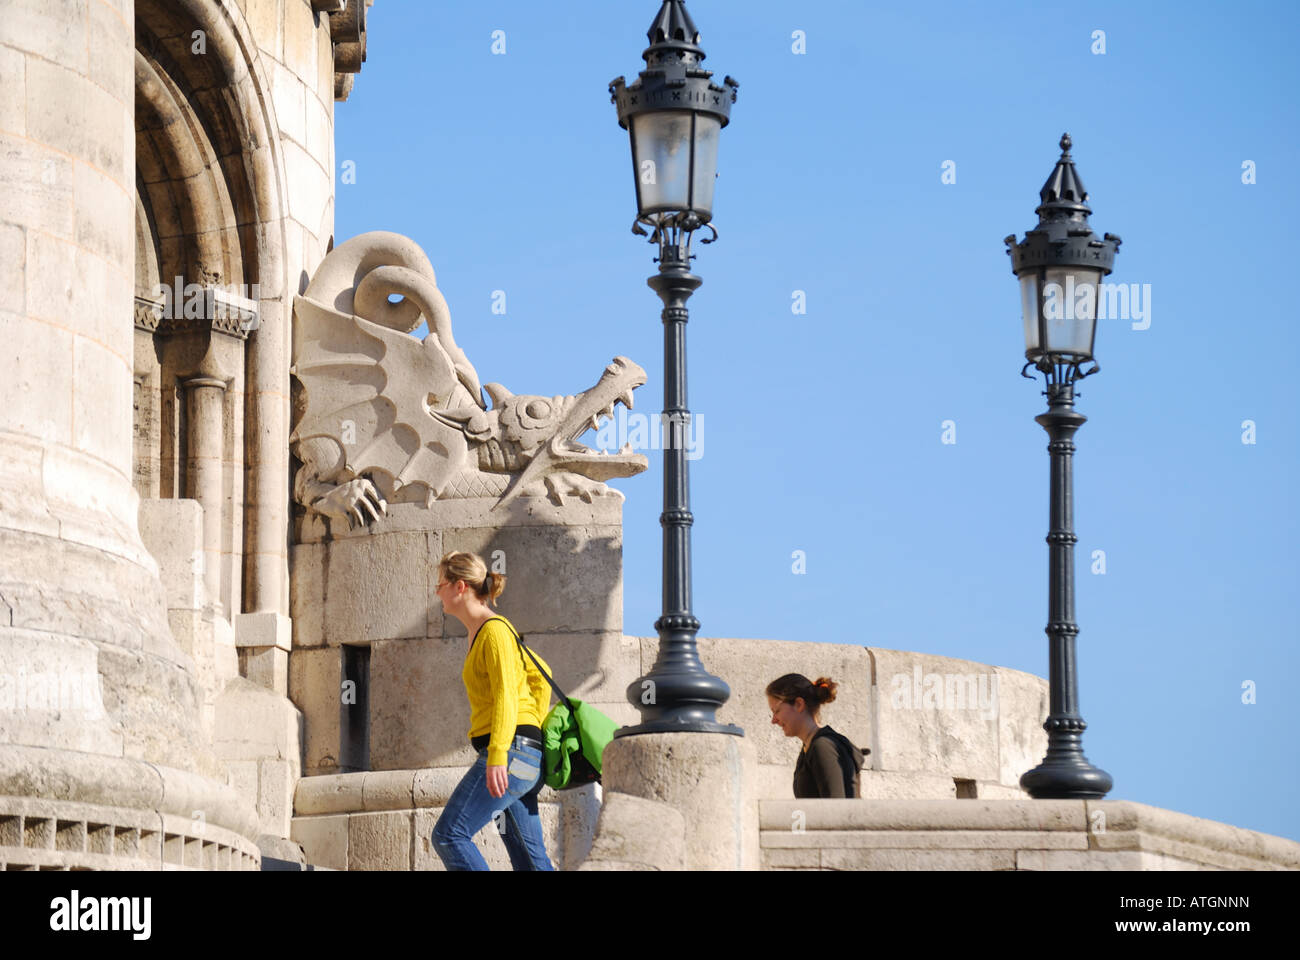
(829, 763)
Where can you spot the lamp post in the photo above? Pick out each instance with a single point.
(1059, 265)
(673, 114)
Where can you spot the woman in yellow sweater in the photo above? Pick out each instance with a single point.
(508, 699)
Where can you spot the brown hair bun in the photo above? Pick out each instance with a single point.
(794, 686)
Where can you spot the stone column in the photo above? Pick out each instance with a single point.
(81, 604)
(205, 403)
(706, 777)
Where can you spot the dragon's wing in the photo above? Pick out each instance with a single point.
(368, 391)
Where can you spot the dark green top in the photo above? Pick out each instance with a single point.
(829, 767)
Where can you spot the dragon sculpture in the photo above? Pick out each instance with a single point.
(385, 418)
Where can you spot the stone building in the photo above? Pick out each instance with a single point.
(205, 664)
(165, 186)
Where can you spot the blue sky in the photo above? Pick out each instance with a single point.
(822, 432)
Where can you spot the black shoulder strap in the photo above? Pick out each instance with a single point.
(520, 640)
(847, 767)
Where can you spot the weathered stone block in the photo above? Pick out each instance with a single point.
(596, 668)
(53, 29)
(315, 681)
(329, 793)
(419, 714)
(1098, 860)
(300, 35)
(828, 814)
(266, 21)
(380, 841)
(13, 91)
(867, 859)
(1124, 825)
(325, 79)
(782, 858)
(1022, 742)
(50, 691)
(998, 791)
(55, 111)
(320, 129)
(433, 786)
(935, 714)
(112, 61)
(901, 785)
(243, 778)
(36, 186)
(101, 401)
(13, 257)
(324, 839)
(579, 812)
(266, 666)
(102, 207)
(387, 790)
(265, 628)
(40, 401)
(706, 777)
(308, 184)
(798, 838)
(649, 834)
(287, 92)
(254, 723)
(365, 588)
(172, 530)
(275, 785)
(560, 579)
(106, 147)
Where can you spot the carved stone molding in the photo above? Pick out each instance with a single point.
(218, 310)
(348, 32)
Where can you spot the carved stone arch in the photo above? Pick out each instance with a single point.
(210, 180)
(180, 173)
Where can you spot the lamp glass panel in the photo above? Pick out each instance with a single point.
(661, 147)
(1069, 309)
(706, 164)
(1029, 310)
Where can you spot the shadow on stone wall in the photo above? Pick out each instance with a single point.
(564, 593)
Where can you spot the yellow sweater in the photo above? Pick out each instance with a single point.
(504, 688)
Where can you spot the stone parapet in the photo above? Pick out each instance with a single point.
(1007, 835)
(63, 810)
(383, 820)
(936, 726)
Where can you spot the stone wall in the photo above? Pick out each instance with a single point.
(1007, 835)
(563, 567)
(935, 749)
(945, 745)
(384, 821)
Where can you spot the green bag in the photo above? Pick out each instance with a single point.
(574, 737)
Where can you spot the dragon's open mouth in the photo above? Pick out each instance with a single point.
(589, 410)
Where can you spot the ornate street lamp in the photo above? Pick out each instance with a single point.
(673, 114)
(1060, 265)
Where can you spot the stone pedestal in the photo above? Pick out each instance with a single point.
(707, 777)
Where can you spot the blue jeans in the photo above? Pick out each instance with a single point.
(471, 808)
